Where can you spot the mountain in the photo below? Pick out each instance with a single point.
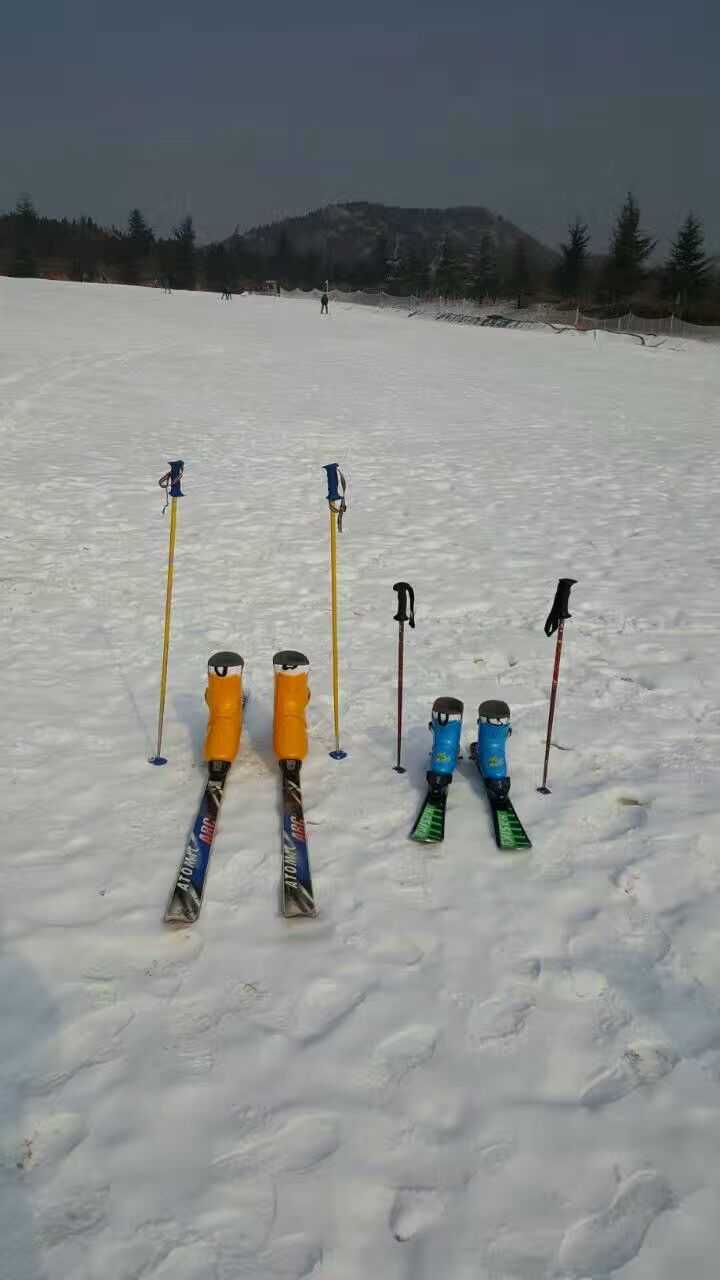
(342, 236)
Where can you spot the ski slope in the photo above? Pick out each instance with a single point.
(472, 1065)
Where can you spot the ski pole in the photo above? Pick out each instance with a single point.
(401, 617)
(556, 622)
(170, 482)
(337, 505)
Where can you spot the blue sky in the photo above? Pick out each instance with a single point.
(243, 113)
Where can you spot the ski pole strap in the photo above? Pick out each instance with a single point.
(405, 591)
(170, 482)
(337, 488)
(559, 611)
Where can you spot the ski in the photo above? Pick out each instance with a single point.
(187, 894)
(290, 744)
(445, 725)
(296, 895)
(225, 703)
(488, 754)
(429, 826)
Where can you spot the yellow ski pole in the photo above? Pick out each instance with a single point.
(337, 505)
(170, 482)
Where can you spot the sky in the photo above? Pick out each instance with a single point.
(242, 114)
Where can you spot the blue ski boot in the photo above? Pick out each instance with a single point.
(493, 732)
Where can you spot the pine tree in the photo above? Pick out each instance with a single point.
(26, 213)
(219, 273)
(24, 265)
(423, 274)
(573, 268)
(282, 263)
(85, 249)
(137, 245)
(415, 273)
(629, 249)
(485, 276)
(184, 255)
(687, 270)
(379, 262)
(449, 272)
(520, 273)
(139, 231)
(396, 267)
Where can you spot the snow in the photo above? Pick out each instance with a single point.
(472, 1065)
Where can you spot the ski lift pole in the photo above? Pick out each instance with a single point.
(402, 616)
(556, 622)
(170, 482)
(336, 502)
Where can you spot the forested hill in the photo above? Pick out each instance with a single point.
(359, 233)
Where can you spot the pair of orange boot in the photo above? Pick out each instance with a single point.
(224, 697)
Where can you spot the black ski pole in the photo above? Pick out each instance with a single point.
(556, 622)
(402, 616)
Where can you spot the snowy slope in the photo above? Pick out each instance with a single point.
(472, 1066)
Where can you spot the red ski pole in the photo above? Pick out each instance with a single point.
(556, 622)
(402, 616)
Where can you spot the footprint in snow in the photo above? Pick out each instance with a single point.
(612, 813)
(642, 1063)
(396, 949)
(326, 1003)
(499, 1018)
(293, 1258)
(79, 1211)
(400, 1053)
(90, 1040)
(600, 1245)
(285, 1145)
(51, 1139)
(414, 1209)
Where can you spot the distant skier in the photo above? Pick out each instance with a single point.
(324, 305)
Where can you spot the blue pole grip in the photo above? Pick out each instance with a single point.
(176, 473)
(334, 494)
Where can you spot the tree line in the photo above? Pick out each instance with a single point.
(686, 283)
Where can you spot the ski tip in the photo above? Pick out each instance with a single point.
(297, 905)
(157, 759)
(338, 755)
(176, 917)
(544, 791)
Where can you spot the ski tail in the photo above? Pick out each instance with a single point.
(296, 890)
(186, 897)
(446, 727)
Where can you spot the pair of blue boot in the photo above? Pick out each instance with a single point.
(488, 753)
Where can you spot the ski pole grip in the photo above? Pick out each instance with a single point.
(334, 494)
(560, 610)
(405, 592)
(176, 473)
